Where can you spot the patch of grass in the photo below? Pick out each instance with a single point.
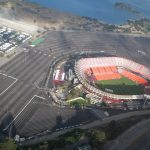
(78, 102)
(37, 41)
(74, 93)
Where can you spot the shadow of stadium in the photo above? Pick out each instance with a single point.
(122, 89)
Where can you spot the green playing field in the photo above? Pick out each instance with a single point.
(123, 86)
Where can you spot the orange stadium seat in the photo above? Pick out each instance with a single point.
(104, 73)
(94, 70)
(108, 76)
(114, 68)
(101, 69)
(107, 69)
(134, 77)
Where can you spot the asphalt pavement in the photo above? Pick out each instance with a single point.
(28, 67)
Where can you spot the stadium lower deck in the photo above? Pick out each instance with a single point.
(19, 95)
(116, 80)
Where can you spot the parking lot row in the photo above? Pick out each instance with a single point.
(10, 39)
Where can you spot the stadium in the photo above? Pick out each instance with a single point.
(115, 79)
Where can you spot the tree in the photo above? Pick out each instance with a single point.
(112, 129)
(99, 135)
(8, 144)
(103, 104)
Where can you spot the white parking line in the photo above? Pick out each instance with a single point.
(10, 84)
(8, 76)
(39, 96)
(22, 110)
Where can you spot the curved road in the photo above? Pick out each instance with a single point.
(142, 143)
(86, 126)
(129, 137)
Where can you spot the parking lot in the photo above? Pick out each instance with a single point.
(29, 68)
(6, 82)
(10, 39)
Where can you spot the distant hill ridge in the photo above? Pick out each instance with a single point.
(126, 7)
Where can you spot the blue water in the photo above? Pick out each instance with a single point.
(103, 10)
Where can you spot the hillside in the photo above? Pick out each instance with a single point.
(44, 17)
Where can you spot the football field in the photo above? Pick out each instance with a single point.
(122, 86)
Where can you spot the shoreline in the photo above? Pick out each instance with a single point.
(38, 19)
(19, 25)
(132, 12)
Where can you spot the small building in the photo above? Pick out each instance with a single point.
(58, 77)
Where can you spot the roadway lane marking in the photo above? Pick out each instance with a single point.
(22, 110)
(10, 84)
(68, 127)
